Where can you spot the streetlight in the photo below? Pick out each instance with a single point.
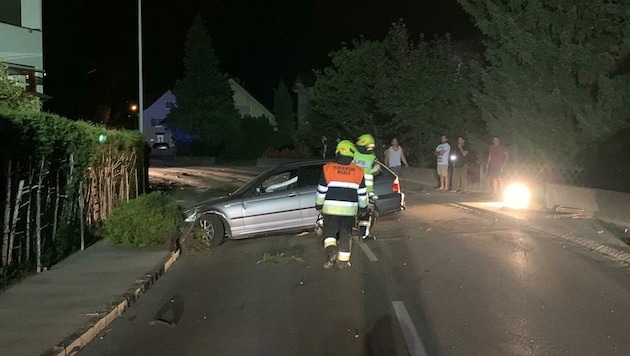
(133, 107)
(140, 88)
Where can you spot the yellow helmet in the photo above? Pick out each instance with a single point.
(345, 148)
(366, 140)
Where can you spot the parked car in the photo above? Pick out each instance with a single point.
(281, 199)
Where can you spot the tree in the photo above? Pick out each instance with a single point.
(204, 107)
(428, 94)
(14, 97)
(416, 91)
(102, 114)
(258, 134)
(285, 117)
(551, 85)
(344, 98)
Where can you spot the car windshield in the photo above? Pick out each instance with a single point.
(247, 186)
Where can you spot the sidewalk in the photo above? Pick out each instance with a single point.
(61, 305)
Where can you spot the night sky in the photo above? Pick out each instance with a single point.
(90, 52)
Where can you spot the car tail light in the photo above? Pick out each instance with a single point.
(396, 186)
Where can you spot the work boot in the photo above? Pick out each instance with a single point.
(343, 264)
(330, 259)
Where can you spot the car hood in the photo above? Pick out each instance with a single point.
(217, 200)
(197, 207)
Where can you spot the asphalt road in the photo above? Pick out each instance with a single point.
(438, 281)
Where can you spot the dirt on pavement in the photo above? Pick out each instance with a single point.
(190, 185)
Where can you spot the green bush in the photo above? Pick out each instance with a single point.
(147, 220)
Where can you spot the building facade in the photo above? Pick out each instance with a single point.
(21, 45)
(154, 124)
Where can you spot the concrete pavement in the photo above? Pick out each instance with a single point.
(58, 311)
(65, 307)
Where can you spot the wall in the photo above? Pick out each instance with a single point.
(606, 205)
(21, 46)
(425, 176)
(429, 177)
(158, 110)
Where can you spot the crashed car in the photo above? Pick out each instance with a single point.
(280, 199)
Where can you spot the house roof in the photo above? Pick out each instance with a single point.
(234, 84)
(159, 110)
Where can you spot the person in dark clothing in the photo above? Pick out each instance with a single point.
(459, 159)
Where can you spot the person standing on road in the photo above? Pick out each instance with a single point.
(497, 159)
(395, 157)
(442, 152)
(459, 157)
(341, 194)
(366, 159)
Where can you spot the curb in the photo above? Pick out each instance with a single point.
(609, 252)
(74, 343)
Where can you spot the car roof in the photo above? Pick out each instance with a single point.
(303, 163)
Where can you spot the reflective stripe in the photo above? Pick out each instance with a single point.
(362, 191)
(343, 256)
(338, 184)
(340, 203)
(319, 199)
(369, 182)
(339, 210)
(364, 223)
(322, 188)
(363, 201)
(330, 241)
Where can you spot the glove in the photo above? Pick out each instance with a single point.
(319, 208)
(363, 216)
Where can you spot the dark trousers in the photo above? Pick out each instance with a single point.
(460, 178)
(339, 227)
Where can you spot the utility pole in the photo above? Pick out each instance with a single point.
(140, 87)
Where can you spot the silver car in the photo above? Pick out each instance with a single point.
(280, 199)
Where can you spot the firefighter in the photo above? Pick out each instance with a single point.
(366, 159)
(341, 193)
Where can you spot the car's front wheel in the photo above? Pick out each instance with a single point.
(213, 229)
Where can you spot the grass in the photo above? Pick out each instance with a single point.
(279, 257)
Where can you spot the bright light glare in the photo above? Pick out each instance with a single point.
(516, 196)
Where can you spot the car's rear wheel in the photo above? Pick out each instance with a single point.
(213, 229)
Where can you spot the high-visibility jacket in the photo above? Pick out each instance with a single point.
(366, 161)
(341, 190)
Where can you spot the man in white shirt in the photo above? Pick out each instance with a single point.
(442, 152)
(395, 157)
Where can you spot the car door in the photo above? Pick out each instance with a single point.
(307, 186)
(273, 205)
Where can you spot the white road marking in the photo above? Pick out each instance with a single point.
(414, 343)
(368, 252)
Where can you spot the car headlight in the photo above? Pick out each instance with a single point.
(516, 196)
(191, 215)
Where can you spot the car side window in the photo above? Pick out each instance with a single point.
(280, 182)
(309, 175)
